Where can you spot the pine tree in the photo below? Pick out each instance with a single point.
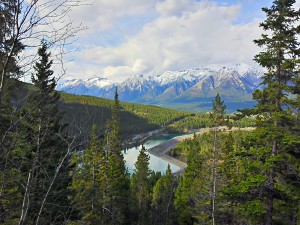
(89, 182)
(8, 133)
(113, 141)
(275, 144)
(8, 188)
(117, 175)
(204, 176)
(163, 210)
(41, 150)
(141, 189)
(100, 179)
(8, 55)
(192, 199)
(218, 112)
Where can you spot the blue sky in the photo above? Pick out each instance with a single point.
(149, 37)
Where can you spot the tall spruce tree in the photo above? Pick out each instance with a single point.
(275, 190)
(8, 55)
(117, 174)
(163, 209)
(217, 115)
(89, 183)
(198, 194)
(141, 189)
(192, 197)
(8, 126)
(41, 151)
(6, 112)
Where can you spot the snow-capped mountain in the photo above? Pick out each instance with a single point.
(96, 86)
(99, 82)
(135, 87)
(237, 80)
(234, 82)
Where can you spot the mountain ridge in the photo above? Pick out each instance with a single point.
(234, 82)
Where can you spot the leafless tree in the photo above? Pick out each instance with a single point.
(32, 21)
(23, 25)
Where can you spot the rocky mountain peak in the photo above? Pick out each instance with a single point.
(235, 81)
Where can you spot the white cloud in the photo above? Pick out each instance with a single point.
(175, 7)
(152, 36)
(106, 14)
(117, 73)
(204, 34)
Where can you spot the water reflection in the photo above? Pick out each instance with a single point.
(155, 163)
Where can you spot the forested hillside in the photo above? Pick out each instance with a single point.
(135, 118)
(84, 111)
(138, 118)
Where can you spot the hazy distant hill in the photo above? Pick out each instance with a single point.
(191, 89)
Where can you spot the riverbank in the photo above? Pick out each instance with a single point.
(140, 139)
(163, 149)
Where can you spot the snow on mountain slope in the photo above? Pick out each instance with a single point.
(241, 68)
(251, 74)
(96, 81)
(136, 87)
(137, 83)
(190, 75)
(99, 82)
(96, 86)
(230, 80)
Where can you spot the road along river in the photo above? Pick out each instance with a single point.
(155, 163)
(162, 149)
(158, 147)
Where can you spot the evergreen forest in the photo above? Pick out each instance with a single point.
(61, 159)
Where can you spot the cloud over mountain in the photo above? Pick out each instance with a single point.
(150, 37)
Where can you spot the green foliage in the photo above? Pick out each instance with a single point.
(276, 111)
(195, 183)
(141, 189)
(218, 110)
(134, 118)
(38, 154)
(89, 182)
(100, 179)
(9, 50)
(9, 70)
(193, 195)
(196, 121)
(44, 148)
(117, 175)
(163, 209)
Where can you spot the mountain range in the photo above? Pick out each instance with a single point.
(192, 89)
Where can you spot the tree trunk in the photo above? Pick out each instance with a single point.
(31, 174)
(270, 198)
(51, 184)
(25, 204)
(213, 194)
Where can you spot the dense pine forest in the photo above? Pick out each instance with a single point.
(61, 159)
